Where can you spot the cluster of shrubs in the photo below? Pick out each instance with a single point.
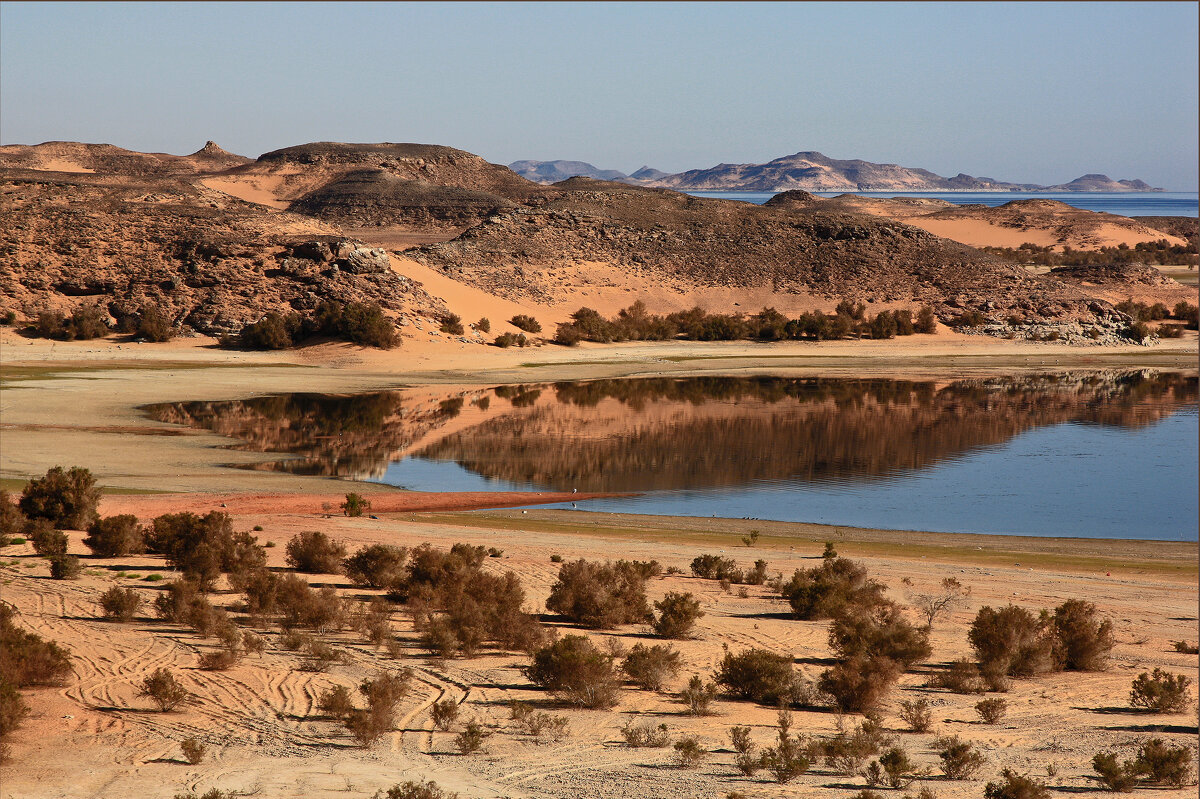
(26, 660)
(1155, 763)
(61, 499)
(603, 595)
(382, 697)
(1147, 252)
(356, 322)
(715, 567)
(1141, 312)
(635, 323)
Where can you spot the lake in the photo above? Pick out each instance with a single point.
(1090, 454)
(1150, 203)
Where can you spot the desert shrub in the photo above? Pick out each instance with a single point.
(355, 505)
(883, 325)
(859, 683)
(650, 667)
(193, 750)
(65, 567)
(164, 690)
(374, 622)
(576, 671)
(46, 540)
(120, 604)
(878, 631)
(211, 793)
(645, 734)
(960, 759)
(714, 567)
(757, 575)
(788, 758)
(67, 498)
(179, 601)
(114, 536)
(917, 714)
(275, 331)
(444, 714)
(689, 752)
(419, 790)
(153, 324)
(1186, 647)
(383, 695)
(203, 546)
(452, 323)
(12, 520)
(28, 660)
(303, 606)
(13, 711)
(484, 325)
(926, 322)
(335, 702)
(1169, 331)
(991, 711)
(1160, 691)
(894, 769)
(961, 678)
(1160, 763)
(506, 340)
(316, 553)
(848, 750)
(538, 725)
(930, 606)
(599, 595)
(1113, 774)
(677, 615)
(1011, 641)
(825, 591)
(526, 323)
(1083, 641)
(1136, 331)
(758, 675)
(219, 660)
(85, 322)
(1016, 786)
(471, 739)
(970, 318)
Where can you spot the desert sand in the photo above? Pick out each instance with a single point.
(77, 404)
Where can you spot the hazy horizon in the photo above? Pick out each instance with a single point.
(1026, 93)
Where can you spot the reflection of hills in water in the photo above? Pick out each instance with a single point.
(661, 433)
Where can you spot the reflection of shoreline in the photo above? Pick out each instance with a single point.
(666, 433)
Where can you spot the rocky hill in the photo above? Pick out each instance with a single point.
(812, 171)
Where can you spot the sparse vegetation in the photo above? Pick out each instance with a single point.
(452, 323)
(600, 595)
(472, 737)
(689, 752)
(418, 790)
(576, 671)
(444, 714)
(355, 505)
(67, 498)
(85, 322)
(644, 734)
(917, 714)
(677, 615)
(193, 750)
(315, 553)
(164, 690)
(120, 604)
(650, 667)
(788, 758)
(1159, 691)
(991, 711)
(526, 322)
(960, 759)
(824, 591)
(698, 695)
(1016, 786)
(358, 323)
(951, 595)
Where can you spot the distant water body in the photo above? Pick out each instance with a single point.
(1150, 203)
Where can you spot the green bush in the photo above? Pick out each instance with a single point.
(714, 567)
(960, 759)
(85, 322)
(878, 631)
(1012, 641)
(825, 591)
(758, 675)
(452, 323)
(67, 498)
(506, 340)
(1160, 691)
(355, 505)
(677, 615)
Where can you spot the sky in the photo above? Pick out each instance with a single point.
(1023, 92)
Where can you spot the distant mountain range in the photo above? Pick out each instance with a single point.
(810, 171)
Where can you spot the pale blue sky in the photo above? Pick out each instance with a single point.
(1030, 92)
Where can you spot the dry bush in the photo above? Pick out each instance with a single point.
(67, 498)
(650, 667)
(202, 547)
(677, 615)
(1016, 786)
(758, 675)
(930, 606)
(645, 734)
(1159, 763)
(961, 678)
(120, 604)
(715, 567)
(575, 670)
(444, 714)
(698, 696)
(689, 752)
(164, 690)
(484, 325)
(182, 603)
(917, 714)
(878, 631)
(376, 566)
(211, 793)
(894, 769)
(538, 725)
(303, 606)
(219, 660)
(335, 702)
(374, 622)
(848, 751)
(315, 553)
(1161, 692)
(319, 656)
(991, 711)
(46, 540)
(746, 761)
(452, 323)
(960, 759)
(65, 567)
(12, 520)
(419, 790)
(1083, 641)
(28, 660)
(1113, 774)
(85, 322)
(859, 684)
(1186, 648)
(600, 595)
(383, 695)
(824, 591)
(193, 750)
(526, 322)
(788, 758)
(261, 587)
(472, 737)
(13, 711)
(115, 536)
(1012, 642)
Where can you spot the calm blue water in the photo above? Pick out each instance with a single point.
(1168, 203)
(1070, 480)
